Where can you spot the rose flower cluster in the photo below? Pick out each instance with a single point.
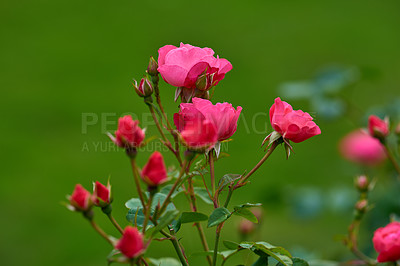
(194, 138)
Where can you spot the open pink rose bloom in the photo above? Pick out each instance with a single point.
(294, 125)
(181, 66)
(387, 242)
(359, 147)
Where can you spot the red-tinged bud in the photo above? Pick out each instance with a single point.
(101, 194)
(145, 89)
(361, 205)
(152, 67)
(378, 128)
(131, 242)
(362, 183)
(154, 172)
(128, 135)
(80, 199)
(246, 227)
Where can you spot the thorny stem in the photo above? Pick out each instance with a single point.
(198, 225)
(155, 80)
(269, 152)
(115, 223)
(158, 124)
(353, 233)
(100, 231)
(167, 199)
(148, 211)
(212, 174)
(217, 235)
(137, 183)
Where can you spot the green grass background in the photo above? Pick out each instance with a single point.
(60, 59)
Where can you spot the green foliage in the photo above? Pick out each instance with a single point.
(165, 262)
(218, 216)
(202, 194)
(265, 249)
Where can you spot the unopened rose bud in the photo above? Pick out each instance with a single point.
(361, 205)
(154, 172)
(101, 194)
(80, 199)
(145, 89)
(131, 242)
(204, 82)
(128, 135)
(362, 183)
(246, 227)
(378, 128)
(152, 67)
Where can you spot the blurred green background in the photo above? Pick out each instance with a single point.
(63, 59)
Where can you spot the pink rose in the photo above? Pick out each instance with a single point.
(359, 147)
(101, 194)
(294, 125)
(377, 127)
(80, 198)
(182, 66)
(199, 135)
(222, 115)
(131, 242)
(154, 172)
(128, 134)
(387, 242)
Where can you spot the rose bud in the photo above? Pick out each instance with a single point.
(361, 205)
(199, 135)
(131, 242)
(128, 134)
(377, 127)
(145, 89)
(387, 242)
(80, 199)
(154, 172)
(182, 66)
(222, 115)
(101, 194)
(152, 67)
(294, 125)
(246, 227)
(359, 147)
(362, 183)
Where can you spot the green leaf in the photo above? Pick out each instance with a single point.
(166, 219)
(165, 190)
(296, 262)
(218, 216)
(226, 253)
(130, 216)
(165, 262)
(226, 180)
(246, 213)
(285, 260)
(133, 203)
(247, 205)
(203, 194)
(262, 261)
(230, 244)
(192, 217)
(176, 224)
(266, 249)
